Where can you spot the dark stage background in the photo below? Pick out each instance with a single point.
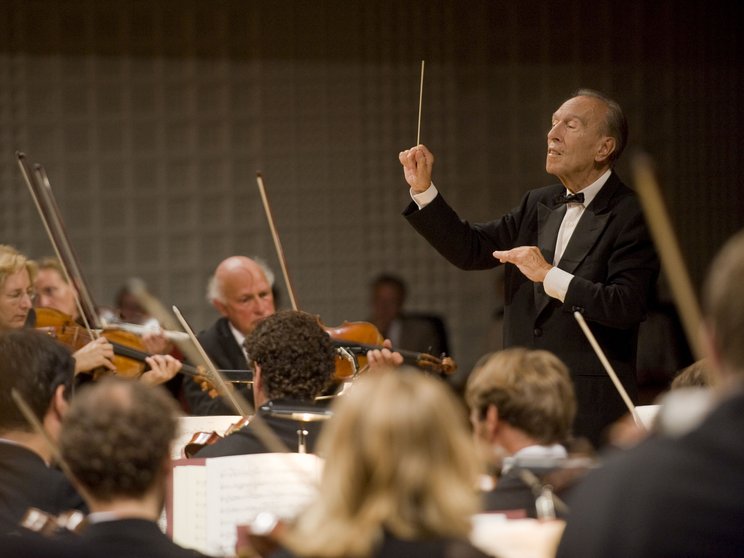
(153, 117)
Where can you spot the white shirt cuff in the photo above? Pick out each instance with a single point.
(556, 283)
(424, 198)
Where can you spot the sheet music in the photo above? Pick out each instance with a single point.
(189, 506)
(240, 487)
(210, 500)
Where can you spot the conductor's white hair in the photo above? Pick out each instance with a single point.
(214, 288)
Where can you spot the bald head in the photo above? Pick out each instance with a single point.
(240, 290)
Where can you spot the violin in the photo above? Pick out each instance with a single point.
(352, 339)
(356, 338)
(129, 351)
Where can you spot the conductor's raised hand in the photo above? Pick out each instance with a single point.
(528, 259)
(417, 164)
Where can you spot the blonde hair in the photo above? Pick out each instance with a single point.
(51, 262)
(12, 261)
(532, 391)
(400, 458)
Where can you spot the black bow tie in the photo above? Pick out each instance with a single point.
(569, 198)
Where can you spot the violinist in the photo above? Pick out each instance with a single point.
(41, 370)
(241, 291)
(522, 406)
(53, 291)
(293, 362)
(16, 288)
(116, 441)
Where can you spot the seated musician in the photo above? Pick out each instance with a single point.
(116, 441)
(241, 291)
(41, 370)
(293, 362)
(399, 474)
(522, 405)
(54, 291)
(679, 496)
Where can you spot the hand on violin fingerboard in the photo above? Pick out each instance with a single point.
(162, 369)
(95, 354)
(385, 357)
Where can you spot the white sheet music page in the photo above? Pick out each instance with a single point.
(240, 487)
(189, 506)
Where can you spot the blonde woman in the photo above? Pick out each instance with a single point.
(399, 476)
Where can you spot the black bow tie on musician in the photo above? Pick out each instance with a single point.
(569, 198)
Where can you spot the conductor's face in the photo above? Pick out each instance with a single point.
(578, 146)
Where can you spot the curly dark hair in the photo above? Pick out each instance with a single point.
(35, 365)
(116, 437)
(295, 353)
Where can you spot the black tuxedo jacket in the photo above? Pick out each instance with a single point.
(219, 343)
(614, 264)
(26, 481)
(666, 497)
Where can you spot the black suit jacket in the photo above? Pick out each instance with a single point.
(245, 441)
(125, 538)
(26, 481)
(666, 497)
(219, 343)
(614, 264)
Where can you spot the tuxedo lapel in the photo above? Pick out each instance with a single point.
(548, 222)
(590, 227)
(587, 231)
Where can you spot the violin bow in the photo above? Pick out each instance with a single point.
(669, 251)
(610, 371)
(38, 427)
(277, 242)
(267, 436)
(194, 351)
(41, 192)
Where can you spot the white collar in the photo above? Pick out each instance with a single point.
(591, 191)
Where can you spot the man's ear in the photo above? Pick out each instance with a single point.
(59, 405)
(219, 306)
(491, 421)
(606, 149)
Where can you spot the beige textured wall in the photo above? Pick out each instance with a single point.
(152, 118)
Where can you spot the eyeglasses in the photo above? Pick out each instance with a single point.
(15, 297)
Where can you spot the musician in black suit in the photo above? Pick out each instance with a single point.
(581, 245)
(679, 496)
(40, 370)
(116, 440)
(241, 291)
(522, 406)
(293, 361)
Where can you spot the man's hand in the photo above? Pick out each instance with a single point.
(162, 369)
(417, 163)
(95, 354)
(385, 357)
(528, 259)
